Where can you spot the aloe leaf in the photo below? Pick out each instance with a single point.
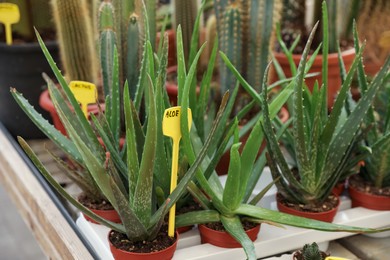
(200, 108)
(50, 131)
(197, 217)
(344, 136)
(234, 227)
(135, 229)
(181, 64)
(298, 111)
(231, 198)
(144, 188)
(115, 99)
(92, 142)
(295, 221)
(34, 158)
(325, 47)
(286, 51)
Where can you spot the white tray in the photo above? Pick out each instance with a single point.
(271, 240)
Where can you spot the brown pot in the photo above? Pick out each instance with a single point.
(367, 200)
(165, 254)
(326, 216)
(334, 78)
(46, 103)
(224, 239)
(223, 164)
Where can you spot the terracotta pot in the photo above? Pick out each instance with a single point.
(334, 79)
(224, 239)
(369, 201)
(165, 254)
(46, 103)
(339, 188)
(327, 216)
(223, 164)
(111, 215)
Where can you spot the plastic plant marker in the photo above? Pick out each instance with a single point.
(171, 128)
(85, 93)
(9, 14)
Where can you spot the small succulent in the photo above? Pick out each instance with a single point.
(310, 252)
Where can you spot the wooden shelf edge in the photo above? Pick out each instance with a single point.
(54, 234)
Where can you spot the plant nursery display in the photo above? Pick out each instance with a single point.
(154, 165)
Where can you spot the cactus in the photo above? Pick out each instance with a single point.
(125, 29)
(185, 15)
(250, 25)
(310, 252)
(76, 39)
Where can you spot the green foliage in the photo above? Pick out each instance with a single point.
(321, 144)
(245, 29)
(124, 176)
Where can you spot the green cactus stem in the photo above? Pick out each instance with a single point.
(76, 39)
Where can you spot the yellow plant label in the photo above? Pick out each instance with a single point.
(85, 93)
(171, 128)
(9, 14)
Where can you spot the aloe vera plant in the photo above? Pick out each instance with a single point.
(126, 177)
(321, 143)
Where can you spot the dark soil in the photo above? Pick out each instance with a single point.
(299, 255)
(330, 203)
(364, 186)
(219, 227)
(92, 203)
(161, 242)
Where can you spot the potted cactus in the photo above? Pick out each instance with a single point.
(321, 143)
(371, 187)
(310, 252)
(22, 64)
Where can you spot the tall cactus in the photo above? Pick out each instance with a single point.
(185, 15)
(245, 31)
(76, 39)
(125, 29)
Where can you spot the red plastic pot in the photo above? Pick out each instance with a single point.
(326, 216)
(334, 78)
(111, 215)
(367, 200)
(46, 103)
(339, 188)
(224, 239)
(165, 254)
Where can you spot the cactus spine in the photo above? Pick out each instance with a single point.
(76, 39)
(245, 36)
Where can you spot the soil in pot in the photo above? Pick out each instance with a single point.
(100, 207)
(365, 194)
(215, 234)
(160, 248)
(325, 211)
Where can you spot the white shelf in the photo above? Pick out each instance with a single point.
(271, 240)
